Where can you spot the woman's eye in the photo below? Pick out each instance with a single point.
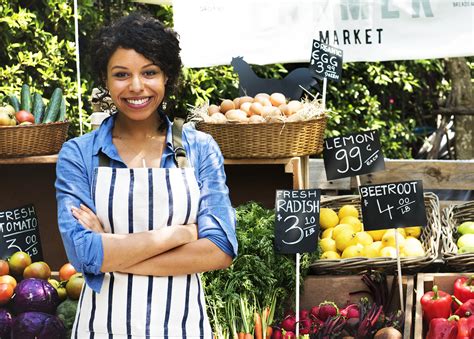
(120, 75)
(150, 73)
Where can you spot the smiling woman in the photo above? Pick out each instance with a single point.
(136, 222)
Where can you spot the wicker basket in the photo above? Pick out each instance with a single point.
(30, 140)
(268, 140)
(452, 217)
(429, 238)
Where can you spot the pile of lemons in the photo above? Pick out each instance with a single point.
(343, 236)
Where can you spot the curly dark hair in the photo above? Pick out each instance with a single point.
(145, 34)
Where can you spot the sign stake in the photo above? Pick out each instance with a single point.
(297, 311)
(325, 84)
(399, 269)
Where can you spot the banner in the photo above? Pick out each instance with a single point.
(282, 31)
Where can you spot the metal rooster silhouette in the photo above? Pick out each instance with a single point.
(251, 84)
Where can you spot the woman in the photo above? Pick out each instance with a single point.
(140, 228)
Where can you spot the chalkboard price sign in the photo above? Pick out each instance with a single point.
(393, 205)
(326, 61)
(353, 154)
(19, 232)
(296, 220)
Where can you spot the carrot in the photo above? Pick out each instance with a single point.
(241, 335)
(248, 336)
(269, 331)
(258, 325)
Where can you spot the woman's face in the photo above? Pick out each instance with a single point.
(136, 84)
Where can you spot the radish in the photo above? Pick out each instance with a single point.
(350, 311)
(289, 323)
(277, 334)
(314, 311)
(304, 313)
(326, 310)
(289, 335)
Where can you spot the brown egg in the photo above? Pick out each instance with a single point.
(213, 109)
(263, 100)
(226, 105)
(245, 99)
(218, 118)
(295, 105)
(264, 95)
(256, 108)
(285, 109)
(246, 107)
(277, 99)
(256, 119)
(237, 102)
(236, 115)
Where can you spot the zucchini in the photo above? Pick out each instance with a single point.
(38, 107)
(52, 109)
(62, 110)
(25, 98)
(14, 102)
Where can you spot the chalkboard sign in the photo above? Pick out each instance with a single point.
(19, 232)
(296, 220)
(326, 61)
(393, 205)
(353, 154)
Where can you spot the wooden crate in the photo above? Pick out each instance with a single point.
(337, 288)
(424, 283)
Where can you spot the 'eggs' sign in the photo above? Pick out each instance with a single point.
(326, 61)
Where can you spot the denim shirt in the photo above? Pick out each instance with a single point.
(74, 176)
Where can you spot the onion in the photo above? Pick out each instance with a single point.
(388, 333)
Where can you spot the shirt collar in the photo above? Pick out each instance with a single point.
(103, 141)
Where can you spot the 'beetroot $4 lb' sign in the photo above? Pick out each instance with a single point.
(19, 232)
(296, 220)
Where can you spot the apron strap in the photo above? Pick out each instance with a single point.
(179, 152)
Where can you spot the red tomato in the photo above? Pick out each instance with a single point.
(66, 271)
(22, 116)
(4, 268)
(74, 286)
(8, 279)
(6, 292)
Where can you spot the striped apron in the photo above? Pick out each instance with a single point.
(133, 306)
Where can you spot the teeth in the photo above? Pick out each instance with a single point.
(137, 101)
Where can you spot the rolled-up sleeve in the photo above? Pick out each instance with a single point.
(83, 247)
(216, 216)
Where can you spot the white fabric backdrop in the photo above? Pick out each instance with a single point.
(273, 31)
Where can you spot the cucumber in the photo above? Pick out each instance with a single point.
(52, 110)
(38, 107)
(62, 110)
(14, 102)
(25, 98)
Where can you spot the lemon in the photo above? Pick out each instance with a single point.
(388, 239)
(353, 251)
(388, 251)
(327, 218)
(344, 238)
(377, 235)
(327, 244)
(362, 238)
(327, 233)
(414, 231)
(413, 247)
(355, 222)
(342, 227)
(348, 210)
(466, 240)
(402, 232)
(373, 250)
(330, 255)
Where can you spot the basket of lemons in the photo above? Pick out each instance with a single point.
(458, 236)
(346, 248)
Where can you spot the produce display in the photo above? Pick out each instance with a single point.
(342, 236)
(33, 304)
(262, 108)
(450, 316)
(31, 109)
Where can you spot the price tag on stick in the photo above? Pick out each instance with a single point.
(326, 61)
(393, 205)
(19, 232)
(296, 220)
(353, 154)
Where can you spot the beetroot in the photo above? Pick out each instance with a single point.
(289, 323)
(276, 334)
(326, 310)
(289, 335)
(304, 314)
(305, 323)
(350, 311)
(314, 311)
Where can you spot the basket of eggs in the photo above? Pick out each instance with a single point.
(264, 126)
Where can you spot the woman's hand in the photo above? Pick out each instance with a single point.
(87, 218)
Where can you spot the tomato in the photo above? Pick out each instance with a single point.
(8, 279)
(74, 286)
(38, 269)
(22, 116)
(62, 293)
(18, 262)
(4, 268)
(6, 292)
(66, 271)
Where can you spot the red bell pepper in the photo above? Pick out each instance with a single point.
(464, 288)
(465, 309)
(441, 328)
(435, 304)
(466, 328)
